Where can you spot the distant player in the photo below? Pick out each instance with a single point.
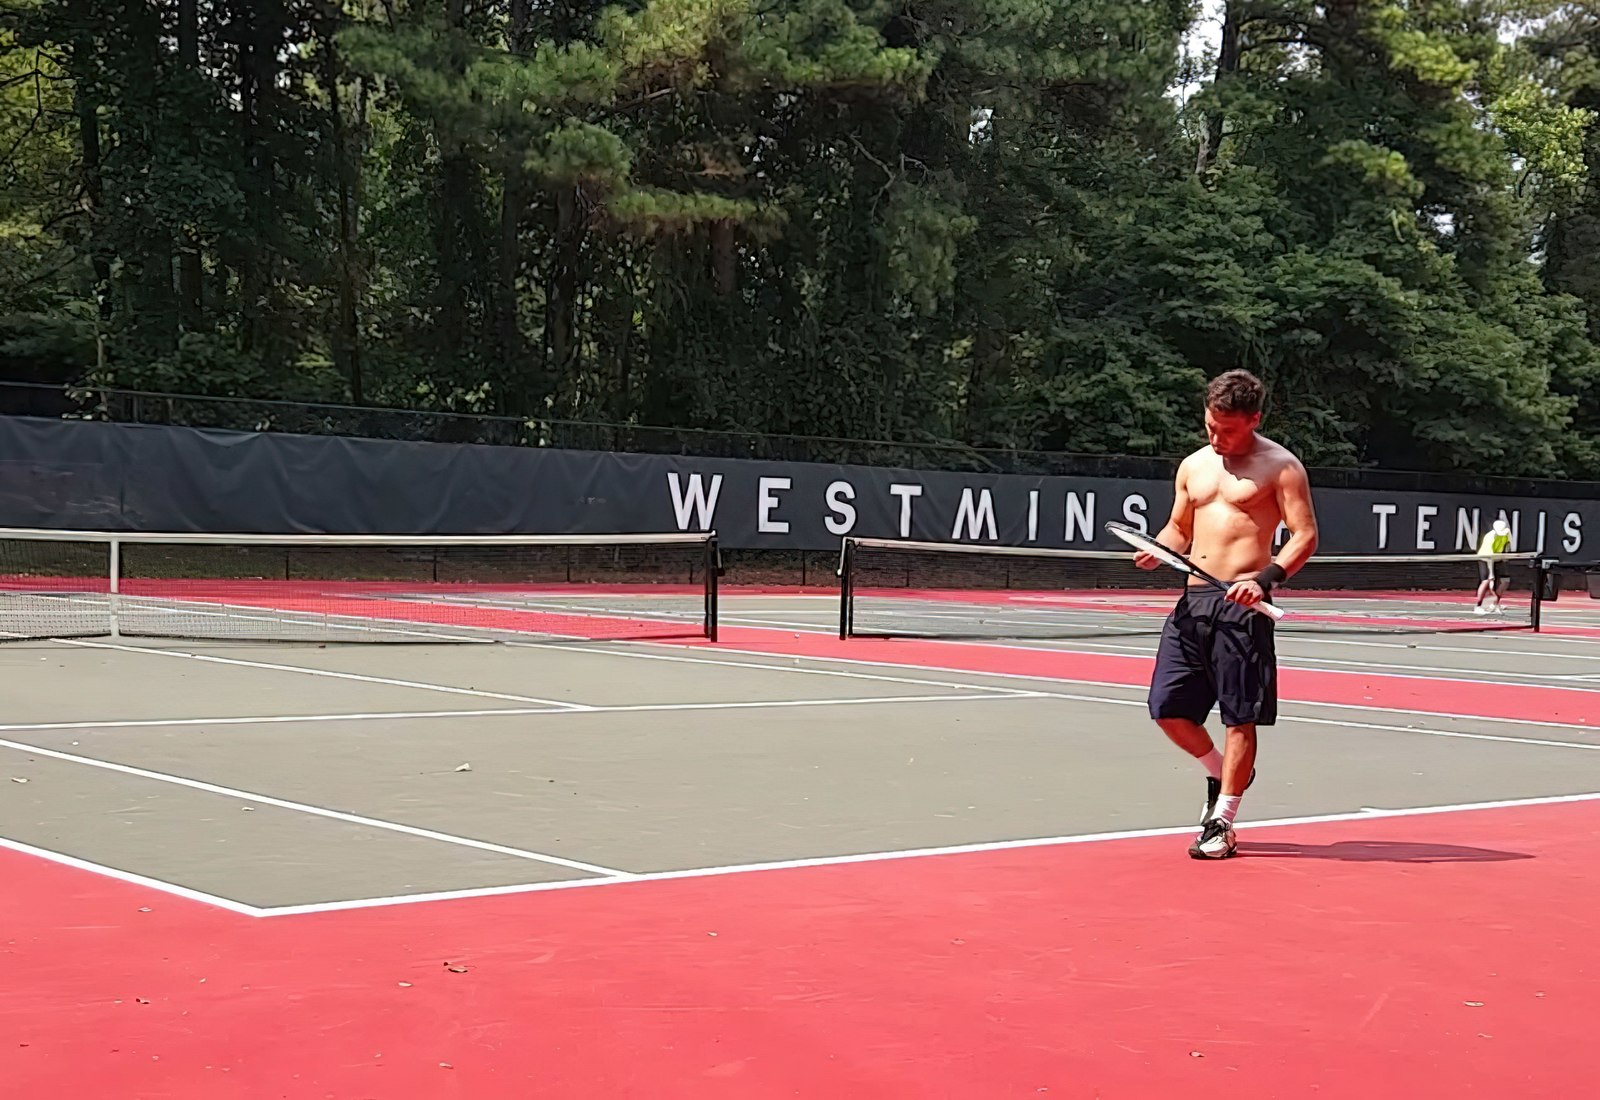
(1229, 498)
(1491, 579)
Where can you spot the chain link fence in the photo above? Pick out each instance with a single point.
(429, 426)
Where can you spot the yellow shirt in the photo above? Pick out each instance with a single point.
(1494, 544)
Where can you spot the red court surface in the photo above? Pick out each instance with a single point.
(1365, 689)
(1422, 955)
(1451, 954)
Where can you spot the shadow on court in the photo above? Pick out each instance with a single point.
(1380, 851)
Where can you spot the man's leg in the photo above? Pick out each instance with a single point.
(1193, 739)
(1238, 768)
(1181, 695)
(1490, 586)
(1244, 665)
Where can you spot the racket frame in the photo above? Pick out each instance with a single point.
(1141, 541)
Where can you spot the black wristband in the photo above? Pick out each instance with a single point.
(1271, 575)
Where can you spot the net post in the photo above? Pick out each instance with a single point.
(713, 586)
(846, 586)
(1541, 573)
(114, 583)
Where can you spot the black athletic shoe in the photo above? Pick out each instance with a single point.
(1216, 841)
(1214, 792)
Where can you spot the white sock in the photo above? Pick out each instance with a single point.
(1212, 763)
(1228, 807)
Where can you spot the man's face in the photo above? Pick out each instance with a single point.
(1231, 433)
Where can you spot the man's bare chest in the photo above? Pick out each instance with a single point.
(1245, 489)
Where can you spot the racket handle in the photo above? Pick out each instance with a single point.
(1265, 607)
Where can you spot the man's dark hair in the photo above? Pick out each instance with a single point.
(1237, 391)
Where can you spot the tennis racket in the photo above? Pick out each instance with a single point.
(1167, 556)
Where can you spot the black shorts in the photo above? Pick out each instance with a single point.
(1486, 571)
(1215, 652)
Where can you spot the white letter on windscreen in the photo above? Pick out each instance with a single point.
(843, 520)
(905, 493)
(764, 521)
(1133, 510)
(697, 500)
(973, 517)
(1383, 512)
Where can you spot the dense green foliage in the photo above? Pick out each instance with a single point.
(1010, 223)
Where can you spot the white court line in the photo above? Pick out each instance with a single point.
(909, 853)
(407, 627)
(520, 712)
(1084, 616)
(536, 606)
(323, 672)
(1089, 620)
(925, 681)
(1388, 669)
(1344, 724)
(847, 701)
(1481, 651)
(271, 719)
(1080, 683)
(138, 880)
(550, 602)
(1382, 727)
(207, 610)
(1460, 734)
(308, 808)
(843, 701)
(475, 635)
(732, 592)
(932, 682)
(1102, 627)
(1319, 664)
(1078, 617)
(1090, 646)
(1307, 663)
(1299, 663)
(1074, 617)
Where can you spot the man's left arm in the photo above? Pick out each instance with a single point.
(1294, 503)
(1294, 507)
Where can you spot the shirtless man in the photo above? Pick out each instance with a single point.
(1215, 651)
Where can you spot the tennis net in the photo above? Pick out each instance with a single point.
(950, 590)
(356, 588)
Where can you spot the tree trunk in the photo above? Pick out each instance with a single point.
(160, 319)
(89, 136)
(455, 195)
(1227, 65)
(562, 296)
(150, 259)
(248, 259)
(347, 336)
(260, 38)
(190, 268)
(724, 257)
(621, 407)
(513, 200)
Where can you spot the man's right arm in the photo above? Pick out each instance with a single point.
(1179, 531)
